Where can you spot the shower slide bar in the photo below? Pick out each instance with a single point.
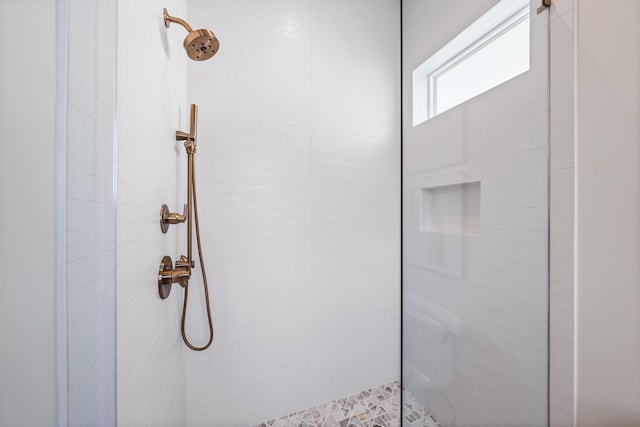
(168, 274)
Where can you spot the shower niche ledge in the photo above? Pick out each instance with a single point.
(451, 209)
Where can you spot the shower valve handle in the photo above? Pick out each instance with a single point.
(184, 268)
(176, 218)
(167, 217)
(184, 262)
(169, 274)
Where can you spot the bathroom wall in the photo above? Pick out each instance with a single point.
(608, 208)
(151, 73)
(71, 211)
(298, 174)
(475, 304)
(27, 246)
(90, 213)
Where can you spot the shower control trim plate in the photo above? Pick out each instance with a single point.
(164, 287)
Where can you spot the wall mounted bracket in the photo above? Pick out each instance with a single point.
(546, 4)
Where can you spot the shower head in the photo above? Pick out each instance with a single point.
(199, 44)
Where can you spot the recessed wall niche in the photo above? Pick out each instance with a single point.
(451, 209)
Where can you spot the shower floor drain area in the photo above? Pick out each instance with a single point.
(376, 407)
(414, 414)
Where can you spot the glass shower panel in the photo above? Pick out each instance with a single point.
(475, 237)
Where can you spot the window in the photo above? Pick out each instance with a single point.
(489, 52)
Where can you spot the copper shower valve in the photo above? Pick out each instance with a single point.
(167, 218)
(168, 274)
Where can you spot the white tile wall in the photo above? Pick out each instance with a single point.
(151, 107)
(298, 172)
(91, 259)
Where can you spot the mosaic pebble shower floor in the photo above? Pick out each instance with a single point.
(376, 407)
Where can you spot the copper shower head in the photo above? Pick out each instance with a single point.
(199, 44)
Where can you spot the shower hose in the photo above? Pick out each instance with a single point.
(192, 180)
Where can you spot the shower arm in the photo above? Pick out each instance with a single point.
(168, 19)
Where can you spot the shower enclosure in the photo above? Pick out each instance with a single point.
(300, 195)
(475, 214)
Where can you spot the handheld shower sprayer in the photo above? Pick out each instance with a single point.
(181, 272)
(200, 44)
